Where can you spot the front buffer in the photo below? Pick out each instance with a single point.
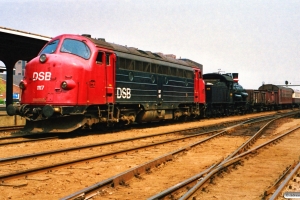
(55, 125)
(47, 119)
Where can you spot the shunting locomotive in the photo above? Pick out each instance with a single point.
(77, 81)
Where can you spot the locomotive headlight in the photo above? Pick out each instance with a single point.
(22, 85)
(64, 85)
(43, 58)
(67, 84)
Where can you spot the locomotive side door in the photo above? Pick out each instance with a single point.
(96, 84)
(110, 65)
(199, 87)
(196, 86)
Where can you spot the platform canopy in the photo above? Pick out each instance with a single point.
(17, 45)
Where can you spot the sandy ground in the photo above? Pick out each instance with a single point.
(49, 190)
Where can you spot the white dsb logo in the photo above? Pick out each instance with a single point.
(124, 93)
(41, 76)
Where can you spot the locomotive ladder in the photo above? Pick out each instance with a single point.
(110, 114)
(197, 107)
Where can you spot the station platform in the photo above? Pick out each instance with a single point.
(6, 120)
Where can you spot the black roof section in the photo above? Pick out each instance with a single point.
(148, 54)
(221, 77)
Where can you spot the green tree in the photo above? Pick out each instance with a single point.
(2, 91)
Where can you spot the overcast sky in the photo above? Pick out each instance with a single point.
(259, 39)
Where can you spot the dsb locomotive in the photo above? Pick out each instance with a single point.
(77, 81)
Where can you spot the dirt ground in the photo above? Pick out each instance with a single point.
(50, 190)
(250, 185)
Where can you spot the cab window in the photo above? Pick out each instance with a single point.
(107, 59)
(99, 58)
(76, 47)
(50, 47)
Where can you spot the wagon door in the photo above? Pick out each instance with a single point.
(263, 98)
(275, 97)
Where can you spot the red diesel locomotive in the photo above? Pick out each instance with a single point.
(77, 81)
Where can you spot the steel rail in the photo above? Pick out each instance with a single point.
(34, 155)
(195, 131)
(59, 165)
(123, 177)
(10, 128)
(239, 150)
(230, 162)
(212, 168)
(185, 131)
(285, 182)
(28, 140)
(57, 136)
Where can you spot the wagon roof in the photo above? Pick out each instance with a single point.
(274, 87)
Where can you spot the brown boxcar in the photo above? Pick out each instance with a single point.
(278, 96)
(256, 100)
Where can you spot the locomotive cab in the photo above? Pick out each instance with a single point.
(63, 80)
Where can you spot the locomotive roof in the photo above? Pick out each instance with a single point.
(221, 77)
(135, 51)
(274, 87)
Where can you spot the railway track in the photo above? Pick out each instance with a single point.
(103, 189)
(10, 129)
(89, 152)
(125, 159)
(287, 185)
(17, 138)
(20, 137)
(241, 170)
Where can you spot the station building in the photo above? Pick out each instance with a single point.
(18, 74)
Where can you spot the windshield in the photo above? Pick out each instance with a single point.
(76, 47)
(51, 47)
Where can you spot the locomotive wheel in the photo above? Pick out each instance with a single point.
(208, 114)
(226, 113)
(100, 127)
(184, 118)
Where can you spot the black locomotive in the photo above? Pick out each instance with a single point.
(224, 95)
